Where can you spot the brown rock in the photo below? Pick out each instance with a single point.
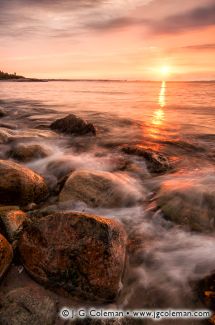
(24, 306)
(11, 221)
(20, 185)
(189, 201)
(206, 291)
(6, 255)
(101, 189)
(155, 161)
(28, 152)
(79, 254)
(74, 125)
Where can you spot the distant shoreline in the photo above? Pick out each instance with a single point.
(102, 80)
(24, 80)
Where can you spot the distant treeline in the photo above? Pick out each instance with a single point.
(5, 76)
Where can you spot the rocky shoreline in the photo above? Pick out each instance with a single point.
(82, 257)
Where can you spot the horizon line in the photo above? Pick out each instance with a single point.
(122, 80)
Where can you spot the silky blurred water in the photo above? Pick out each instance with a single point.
(167, 109)
(175, 118)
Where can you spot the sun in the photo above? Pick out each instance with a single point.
(165, 70)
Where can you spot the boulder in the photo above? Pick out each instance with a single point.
(6, 255)
(78, 254)
(11, 221)
(28, 152)
(189, 201)
(155, 161)
(27, 305)
(73, 125)
(101, 189)
(20, 185)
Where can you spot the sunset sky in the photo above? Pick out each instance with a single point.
(116, 39)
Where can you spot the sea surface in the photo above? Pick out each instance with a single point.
(173, 118)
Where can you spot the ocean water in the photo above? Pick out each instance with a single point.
(174, 118)
(156, 114)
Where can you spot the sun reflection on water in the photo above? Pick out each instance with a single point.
(159, 114)
(162, 95)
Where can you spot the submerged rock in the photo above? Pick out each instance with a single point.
(11, 221)
(6, 255)
(28, 152)
(60, 167)
(20, 185)
(74, 125)
(101, 189)
(189, 201)
(79, 254)
(27, 305)
(155, 161)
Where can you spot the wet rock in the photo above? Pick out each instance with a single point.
(76, 253)
(74, 125)
(2, 113)
(20, 185)
(11, 221)
(28, 152)
(206, 291)
(6, 255)
(189, 201)
(101, 189)
(155, 161)
(24, 306)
